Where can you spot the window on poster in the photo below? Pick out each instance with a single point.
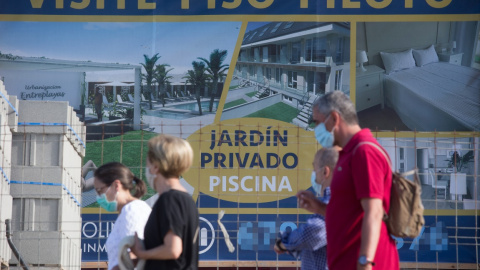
(339, 50)
(338, 79)
(319, 52)
(292, 79)
(265, 54)
(281, 54)
(308, 50)
(296, 52)
(401, 159)
(263, 31)
(278, 75)
(256, 54)
(275, 28)
(288, 25)
(268, 73)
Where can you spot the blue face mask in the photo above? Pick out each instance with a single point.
(323, 136)
(317, 187)
(105, 204)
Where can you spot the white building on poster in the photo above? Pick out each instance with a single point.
(42, 79)
(294, 63)
(296, 57)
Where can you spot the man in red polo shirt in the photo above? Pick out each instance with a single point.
(357, 238)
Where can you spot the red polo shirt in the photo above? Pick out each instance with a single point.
(367, 174)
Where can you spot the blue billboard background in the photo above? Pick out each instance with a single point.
(443, 239)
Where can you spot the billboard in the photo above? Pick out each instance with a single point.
(251, 135)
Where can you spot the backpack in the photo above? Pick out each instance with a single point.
(405, 216)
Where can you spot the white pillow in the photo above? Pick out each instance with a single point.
(427, 56)
(397, 61)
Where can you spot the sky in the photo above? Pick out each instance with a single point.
(178, 44)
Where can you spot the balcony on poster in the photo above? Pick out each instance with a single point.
(258, 4)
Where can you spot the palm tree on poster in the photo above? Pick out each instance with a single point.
(216, 69)
(149, 66)
(162, 78)
(198, 78)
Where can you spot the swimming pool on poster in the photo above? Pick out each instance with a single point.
(169, 114)
(193, 106)
(181, 111)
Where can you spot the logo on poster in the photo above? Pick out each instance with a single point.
(206, 233)
(47, 92)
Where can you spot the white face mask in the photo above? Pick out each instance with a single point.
(316, 186)
(324, 137)
(150, 177)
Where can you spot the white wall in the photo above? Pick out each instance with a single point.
(28, 85)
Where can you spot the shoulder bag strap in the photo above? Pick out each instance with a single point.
(379, 149)
(386, 157)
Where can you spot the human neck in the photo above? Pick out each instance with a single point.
(167, 184)
(128, 198)
(346, 133)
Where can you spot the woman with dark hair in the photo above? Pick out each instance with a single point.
(113, 183)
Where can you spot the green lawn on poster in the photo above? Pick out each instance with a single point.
(279, 111)
(234, 103)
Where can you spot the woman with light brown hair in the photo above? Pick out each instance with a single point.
(171, 232)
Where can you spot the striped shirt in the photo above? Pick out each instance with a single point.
(309, 241)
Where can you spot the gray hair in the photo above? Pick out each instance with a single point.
(339, 102)
(327, 157)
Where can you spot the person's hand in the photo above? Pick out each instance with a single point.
(306, 200)
(277, 249)
(137, 248)
(309, 202)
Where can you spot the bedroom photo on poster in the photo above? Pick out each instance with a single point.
(418, 76)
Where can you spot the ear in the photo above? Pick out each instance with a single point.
(326, 171)
(154, 169)
(118, 185)
(335, 117)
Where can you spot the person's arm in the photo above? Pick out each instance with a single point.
(371, 226)
(88, 167)
(309, 202)
(170, 250)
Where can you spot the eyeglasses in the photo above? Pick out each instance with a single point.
(99, 190)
